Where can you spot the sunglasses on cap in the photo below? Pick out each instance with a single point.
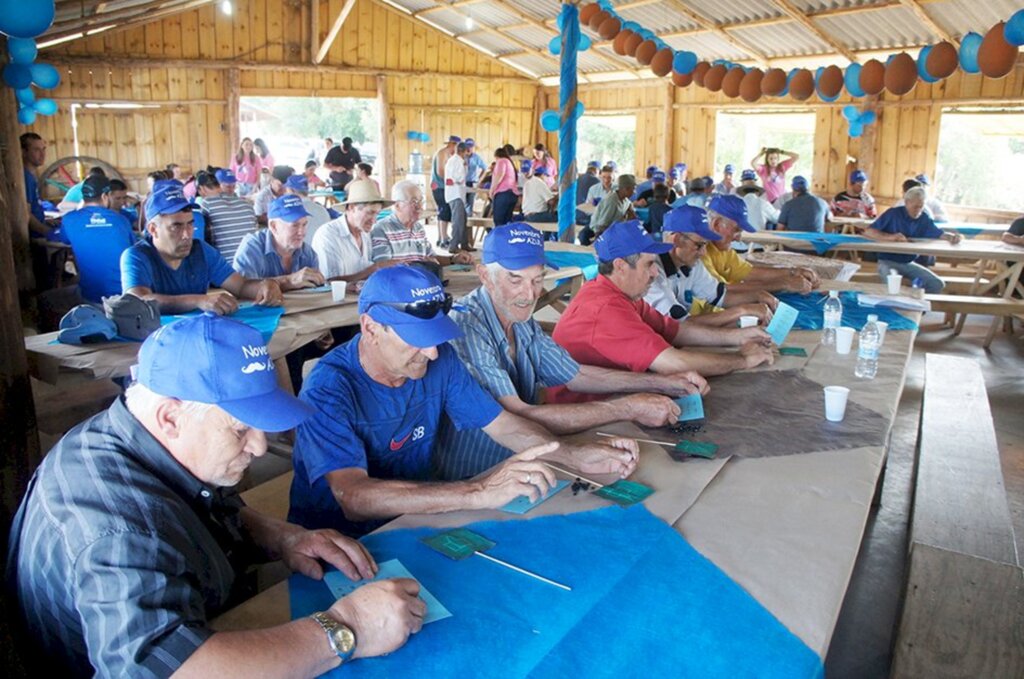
(425, 308)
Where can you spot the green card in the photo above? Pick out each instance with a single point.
(792, 351)
(458, 543)
(697, 449)
(624, 492)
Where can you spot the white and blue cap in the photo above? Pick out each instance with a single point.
(733, 208)
(658, 177)
(212, 359)
(923, 178)
(729, 168)
(651, 169)
(85, 324)
(413, 302)
(858, 176)
(799, 183)
(454, 139)
(689, 219)
(748, 175)
(540, 169)
(225, 176)
(514, 246)
(166, 199)
(594, 163)
(623, 239)
(297, 182)
(288, 208)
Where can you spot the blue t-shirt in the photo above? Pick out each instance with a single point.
(804, 213)
(97, 236)
(32, 196)
(388, 431)
(897, 220)
(256, 257)
(141, 265)
(199, 222)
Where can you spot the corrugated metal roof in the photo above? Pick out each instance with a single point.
(534, 64)
(416, 5)
(447, 19)
(490, 14)
(885, 28)
(732, 11)
(493, 42)
(533, 35)
(708, 46)
(539, 9)
(962, 16)
(811, 6)
(660, 18)
(781, 40)
(590, 62)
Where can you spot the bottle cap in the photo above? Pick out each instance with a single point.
(833, 293)
(872, 318)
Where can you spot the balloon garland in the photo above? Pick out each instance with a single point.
(22, 22)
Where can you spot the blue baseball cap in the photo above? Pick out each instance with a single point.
(164, 184)
(612, 164)
(454, 139)
(225, 176)
(658, 176)
(708, 181)
(689, 219)
(858, 176)
(733, 208)
(540, 169)
(213, 359)
(515, 246)
(470, 142)
(680, 166)
(799, 183)
(923, 178)
(166, 200)
(594, 163)
(623, 239)
(85, 324)
(289, 208)
(651, 169)
(297, 182)
(729, 169)
(748, 176)
(525, 166)
(387, 290)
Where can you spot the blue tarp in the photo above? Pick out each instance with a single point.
(812, 314)
(583, 260)
(823, 242)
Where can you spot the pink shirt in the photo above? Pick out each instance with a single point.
(774, 182)
(508, 182)
(552, 172)
(246, 172)
(267, 162)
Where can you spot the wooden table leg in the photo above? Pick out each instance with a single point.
(1012, 281)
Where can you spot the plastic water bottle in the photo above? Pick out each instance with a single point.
(833, 318)
(867, 350)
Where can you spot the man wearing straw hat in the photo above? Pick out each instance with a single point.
(400, 239)
(343, 245)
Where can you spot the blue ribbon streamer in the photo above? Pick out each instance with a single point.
(570, 18)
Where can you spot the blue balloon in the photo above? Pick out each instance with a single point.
(631, 26)
(22, 50)
(25, 96)
(605, 5)
(852, 80)
(550, 120)
(560, 20)
(969, 45)
(412, 135)
(424, 137)
(828, 100)
(851, 113)
(579, 110)
(585, 43)
(868, 118)
(26, 18)
(646, 34)
(555, 46)
(856, 129)
(27, 115)
(1014, 29)
(660, 44)
(817, 75)
(17, 76)
(684, 62)
(922, 72)
(45, 76)
(46, 106)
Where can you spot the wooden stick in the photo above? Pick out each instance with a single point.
(657, 443)
(524, 571)
(573, 474)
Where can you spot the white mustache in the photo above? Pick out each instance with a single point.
(254, 366)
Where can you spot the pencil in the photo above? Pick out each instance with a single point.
(657, 443)
(524, 571)
(573, 474)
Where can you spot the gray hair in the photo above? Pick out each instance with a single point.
(606, 268)
(140, 399)
(916, 193)
(401, 190)
(493, 269)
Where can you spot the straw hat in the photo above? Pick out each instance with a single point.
(363, 191)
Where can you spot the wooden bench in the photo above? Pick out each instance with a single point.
(1006, 307)
(963, 610)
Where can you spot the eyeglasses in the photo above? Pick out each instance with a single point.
(425, 309)
(414, 203)
(698, 243)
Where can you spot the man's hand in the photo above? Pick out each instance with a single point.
(797, 283)
(614, 456)
(306, 277)
(688, 382)
(301, 551)
(761, 310)
(269, 293)
(519, 475)
(650, 410)
(954, 237)
(755, 334)
(756, 353)
(765, 297)
(809, 274)
(462, 258)
(382, 614)
(1010, 239)
(220, 302)
(324, 341)
(898, 238)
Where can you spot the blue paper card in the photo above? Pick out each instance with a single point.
(691, 407)
(522, 504)
(782, 322)
(320, 288)
(340, 586)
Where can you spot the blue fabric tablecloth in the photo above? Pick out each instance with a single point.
(823, 242)
(812, 314)
(643, 602)
(263, 318)
(583, 260)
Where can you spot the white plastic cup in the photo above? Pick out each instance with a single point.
(844, 340)
(338, 290)
(748, 321)
(835, 403)
(894, 280)
(882, 327)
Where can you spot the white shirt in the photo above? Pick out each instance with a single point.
(318, 216)
(455, 179)
(760, 211)
(536, 195)
(669, 291)
(339, 254)
(597, 192)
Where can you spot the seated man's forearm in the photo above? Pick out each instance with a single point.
(362, 498)
(679, 360)
(169, 304)
(296, 649)
(570, 418)
(691, 334)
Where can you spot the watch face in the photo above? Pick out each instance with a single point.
(345, 639)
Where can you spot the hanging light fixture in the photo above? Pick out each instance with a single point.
(226, 7)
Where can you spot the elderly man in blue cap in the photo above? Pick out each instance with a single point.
(279, 252)
(609, 324)
(511, 357)
(176, 270)
(726, 186)
(684, 289)
(365, 455)
(130, 538)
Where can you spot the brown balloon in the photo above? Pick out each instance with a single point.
(619, 44)
(646, 51)
(610, 28)
(901, 74)
(831, 81)
(872, 77)
(750, 86)
(713, 78)
(661, 64)
(942, 60)
(774, 82)
(802, 85)
(597, 19)
(699, 71)
(996, 57)
(731, 82)
(682, 79)
(632, 43)
(587, 12)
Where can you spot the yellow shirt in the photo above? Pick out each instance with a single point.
(726, 265)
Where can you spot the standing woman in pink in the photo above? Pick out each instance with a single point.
(246, 166)
(773, 170)
(266, 160)
(541, 158)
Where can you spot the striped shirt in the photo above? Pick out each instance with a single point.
(338, 252)
(484, 349)
(229, 220)
(682, 287)
(392, 239)
(119, 555)
(258, 258)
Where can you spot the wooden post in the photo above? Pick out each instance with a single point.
(670, 126)
(386, 141)
(232, 85)
(314, 29)
(16, 208)
(868, 139)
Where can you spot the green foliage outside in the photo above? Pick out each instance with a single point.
(604, 139)
(739, 136)
(980, 163)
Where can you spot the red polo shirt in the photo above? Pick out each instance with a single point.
(604, 327)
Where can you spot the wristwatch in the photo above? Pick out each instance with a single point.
(340, 636)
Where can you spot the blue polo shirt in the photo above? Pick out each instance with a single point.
(97, 236)
(141, 265)
(804, 213)
(32, 196)
(257, 258)
(897, 220)
(388, 431)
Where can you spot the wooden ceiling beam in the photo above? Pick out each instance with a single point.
(928, 21)
(794, 13)
(711, 26)
(112, 22)
(332, 34)
(446, 5)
